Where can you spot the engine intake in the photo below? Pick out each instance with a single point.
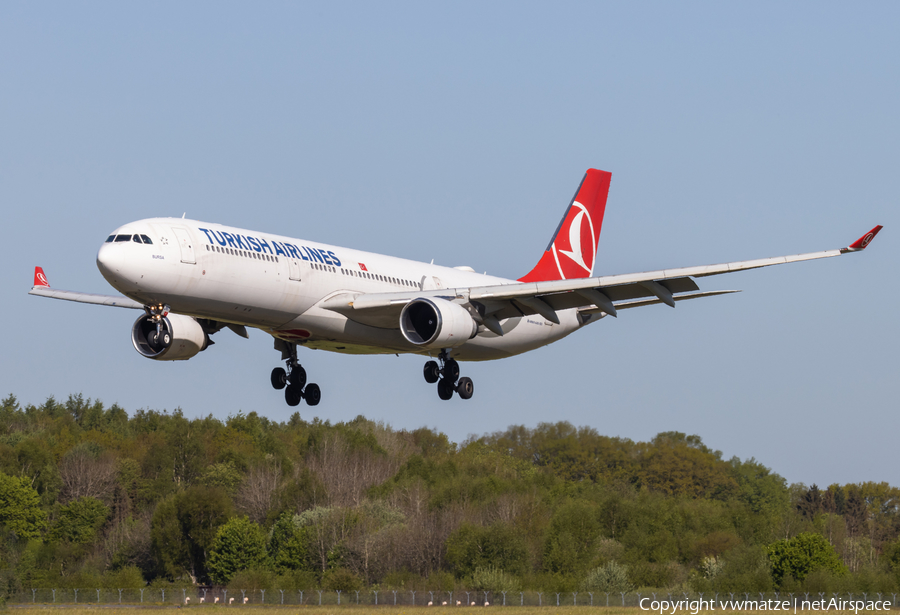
(180, 338)
(436, 323)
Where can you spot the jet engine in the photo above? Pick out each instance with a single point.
(436, 323)
(179, 337)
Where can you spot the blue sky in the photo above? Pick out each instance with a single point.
(458, 132)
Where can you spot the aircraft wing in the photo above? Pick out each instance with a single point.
(606, 294)
(42, 288)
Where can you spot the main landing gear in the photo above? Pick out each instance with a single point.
(293, 381)
(447, 377)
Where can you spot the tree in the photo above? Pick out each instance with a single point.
(856, 513)
(239, 545)
(811, 503)
(20, 507)
(289, 545)
(802, 554)
(84, 473)
(611, 577)
(80, 520)
(497, 546)
(256, 494)
(184, 526)
(572, 537)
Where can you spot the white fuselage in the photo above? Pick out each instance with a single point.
(275, 283)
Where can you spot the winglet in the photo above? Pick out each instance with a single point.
(40, 279)
(862, 242)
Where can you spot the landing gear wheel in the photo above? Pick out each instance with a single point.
(292, 396)
(279, 378)
(312, 394)
(465, 387)
(445, 389)
(159, 339)
(451, 370)
(432, 372)
(298, 377)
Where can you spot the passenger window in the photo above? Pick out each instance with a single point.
(123, 238)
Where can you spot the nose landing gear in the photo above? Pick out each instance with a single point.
(161, 337)
(447, 377)
(293, 381)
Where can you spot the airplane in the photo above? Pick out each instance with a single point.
(192, 279)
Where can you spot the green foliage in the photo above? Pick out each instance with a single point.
(297, 580)
(183, 528)
(290, 544)
(20, 507)
(253, 579)
(553, 508)
(493, 579)
(79, 521)
(498, 546)
(341, 579)
(240, 544)
(129, 577)
(799, 556)
(571, 541)
(609, 578)
(224, 475)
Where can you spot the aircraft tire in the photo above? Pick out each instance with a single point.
(279, 378)
(432, 372)
(465, 388)
(292, 396)
(445, 389)
(451, 370)
(298, 377)
(312, 394)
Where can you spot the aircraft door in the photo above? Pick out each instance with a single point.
(294, 267)
(186, 245)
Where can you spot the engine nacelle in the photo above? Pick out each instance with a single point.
(436, 323)
(179, 339)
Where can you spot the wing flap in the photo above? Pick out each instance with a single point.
(644, 302)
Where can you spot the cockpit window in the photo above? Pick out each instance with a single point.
(146, 239)
(110, 239)
(123, 238)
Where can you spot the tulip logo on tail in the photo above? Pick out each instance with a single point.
(582, 244)
(573, 249)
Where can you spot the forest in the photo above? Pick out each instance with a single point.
(93, 497)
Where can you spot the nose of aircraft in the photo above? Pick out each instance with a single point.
(110, 259)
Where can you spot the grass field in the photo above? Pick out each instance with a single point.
(343, 610)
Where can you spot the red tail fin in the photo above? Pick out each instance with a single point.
(573, 248)
(39, 278)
